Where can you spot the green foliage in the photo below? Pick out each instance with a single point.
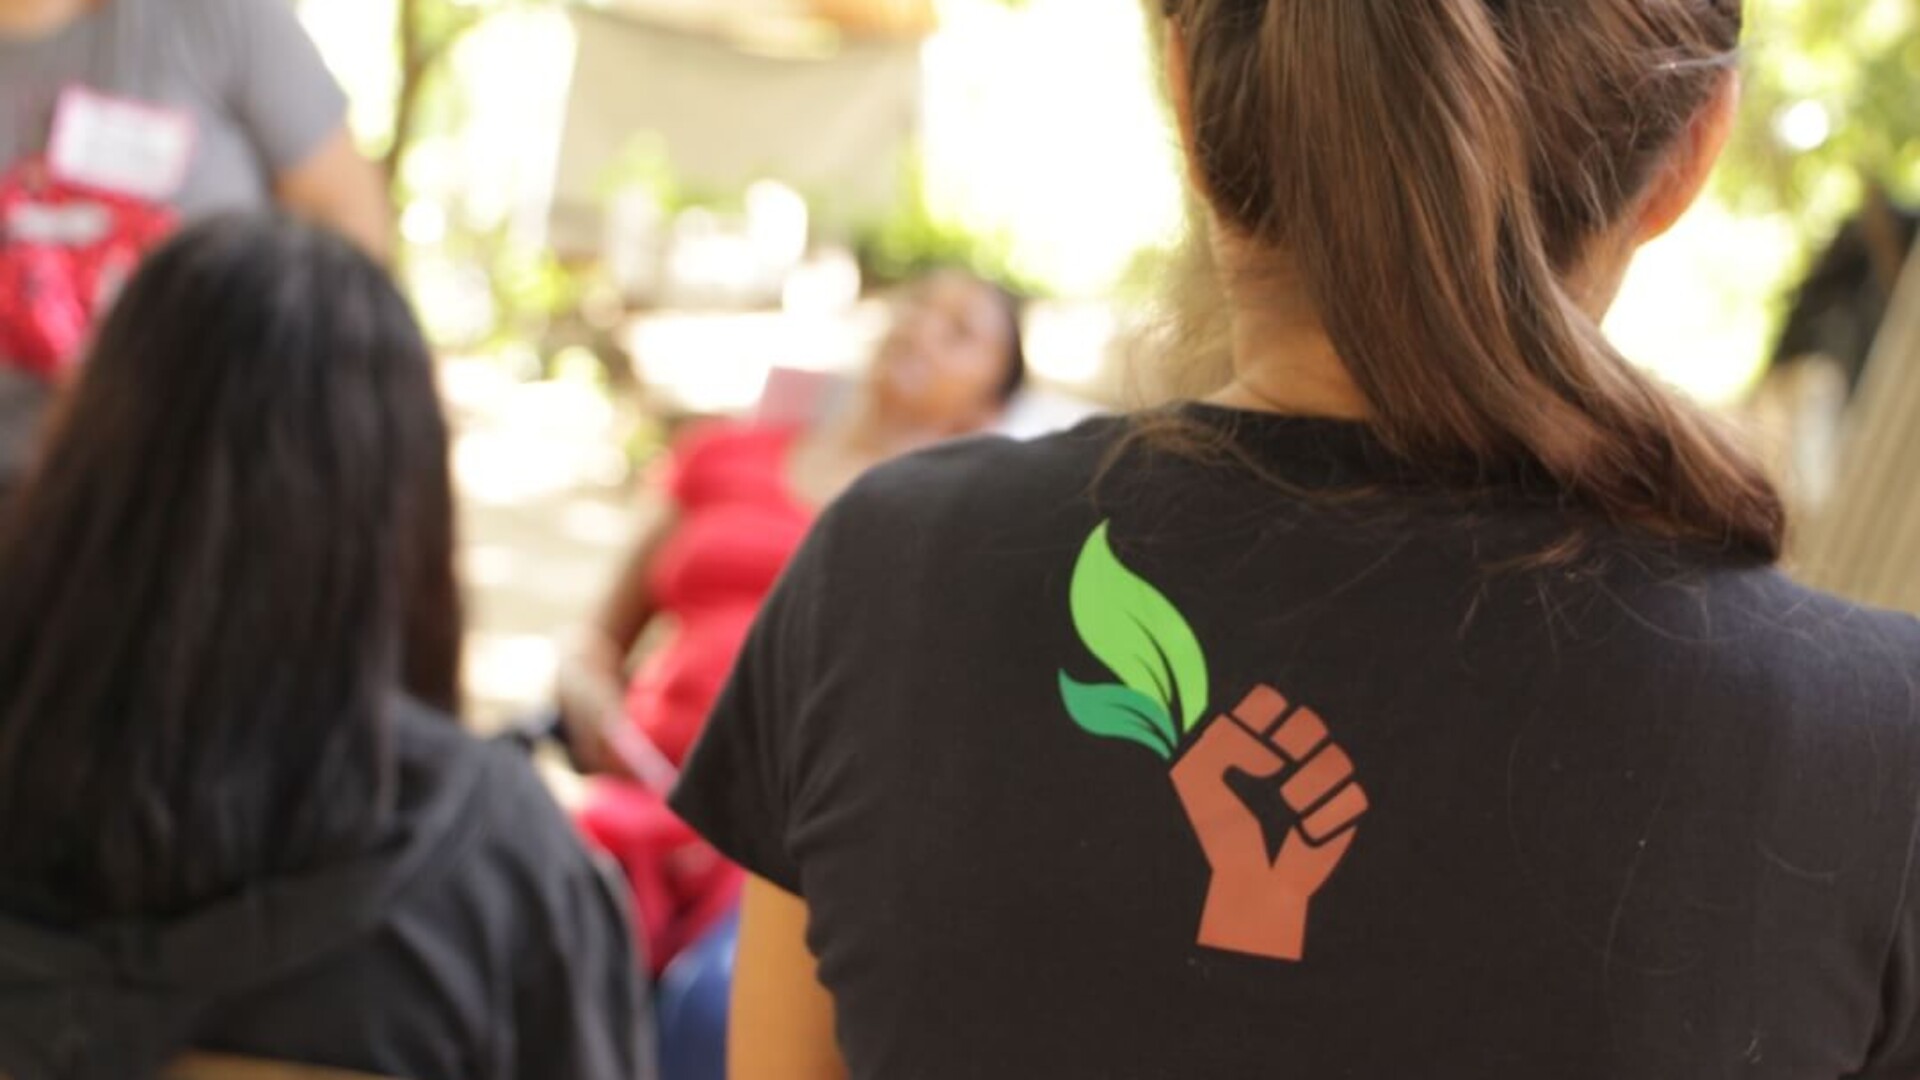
(915, 238)
(1119, 712)
(529, 284)
(1859, 62)
(1137, 633)
(644, 163)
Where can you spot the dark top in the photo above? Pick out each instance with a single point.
(1177, 771)
(478, 941)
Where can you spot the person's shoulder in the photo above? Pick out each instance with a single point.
(216, 23)
(525, 819)
(214, 36)
(1767, 601)
(1787, 647)
(225, 11)
(490, 785)
(1875, 643)
(506, 851)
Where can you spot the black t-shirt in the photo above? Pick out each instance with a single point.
(1098, 761)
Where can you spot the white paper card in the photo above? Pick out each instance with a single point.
(121, 147)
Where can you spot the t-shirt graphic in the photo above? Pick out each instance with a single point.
(65, 251)
(1269, 856)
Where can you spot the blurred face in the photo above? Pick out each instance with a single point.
(943, 363)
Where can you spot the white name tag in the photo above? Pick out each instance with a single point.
(122, 147)
(72, 225)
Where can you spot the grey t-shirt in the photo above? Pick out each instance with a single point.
(261, 99)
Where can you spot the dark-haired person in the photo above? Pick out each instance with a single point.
(236, 814)
(1426, 703)
(120, 116)
(734, 502)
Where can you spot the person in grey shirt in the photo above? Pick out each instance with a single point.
(268, 124)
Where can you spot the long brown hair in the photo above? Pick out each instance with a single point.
(1433, 170)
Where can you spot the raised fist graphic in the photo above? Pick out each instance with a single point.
(1257, 901)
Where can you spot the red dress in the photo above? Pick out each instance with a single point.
(739, 523)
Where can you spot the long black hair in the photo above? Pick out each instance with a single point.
(235, 556)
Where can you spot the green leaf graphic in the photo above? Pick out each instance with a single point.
(1137, 632)
(1115, 712)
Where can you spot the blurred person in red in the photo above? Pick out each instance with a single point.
(719, 523)
(120, 119)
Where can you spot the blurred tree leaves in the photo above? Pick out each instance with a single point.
(1833, 98)
(425, 33)
(914, 238)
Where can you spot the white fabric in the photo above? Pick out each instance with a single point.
(834, 127)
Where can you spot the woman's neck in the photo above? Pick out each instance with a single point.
(1296, 373)
(27, 20)
(1283, 359)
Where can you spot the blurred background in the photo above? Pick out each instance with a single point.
(620, 215)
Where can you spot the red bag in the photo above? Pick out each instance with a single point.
(65, 251)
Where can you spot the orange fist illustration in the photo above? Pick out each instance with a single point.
(1257, 901)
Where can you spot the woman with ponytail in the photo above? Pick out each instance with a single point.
(1424, 702)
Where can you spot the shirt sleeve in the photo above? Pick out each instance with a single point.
(1896, 1050)
(579, 1009)
(282, 92)
(1896, 1053)
(583, 1016)
(738, 785)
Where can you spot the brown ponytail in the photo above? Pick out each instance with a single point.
(1432, 169)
